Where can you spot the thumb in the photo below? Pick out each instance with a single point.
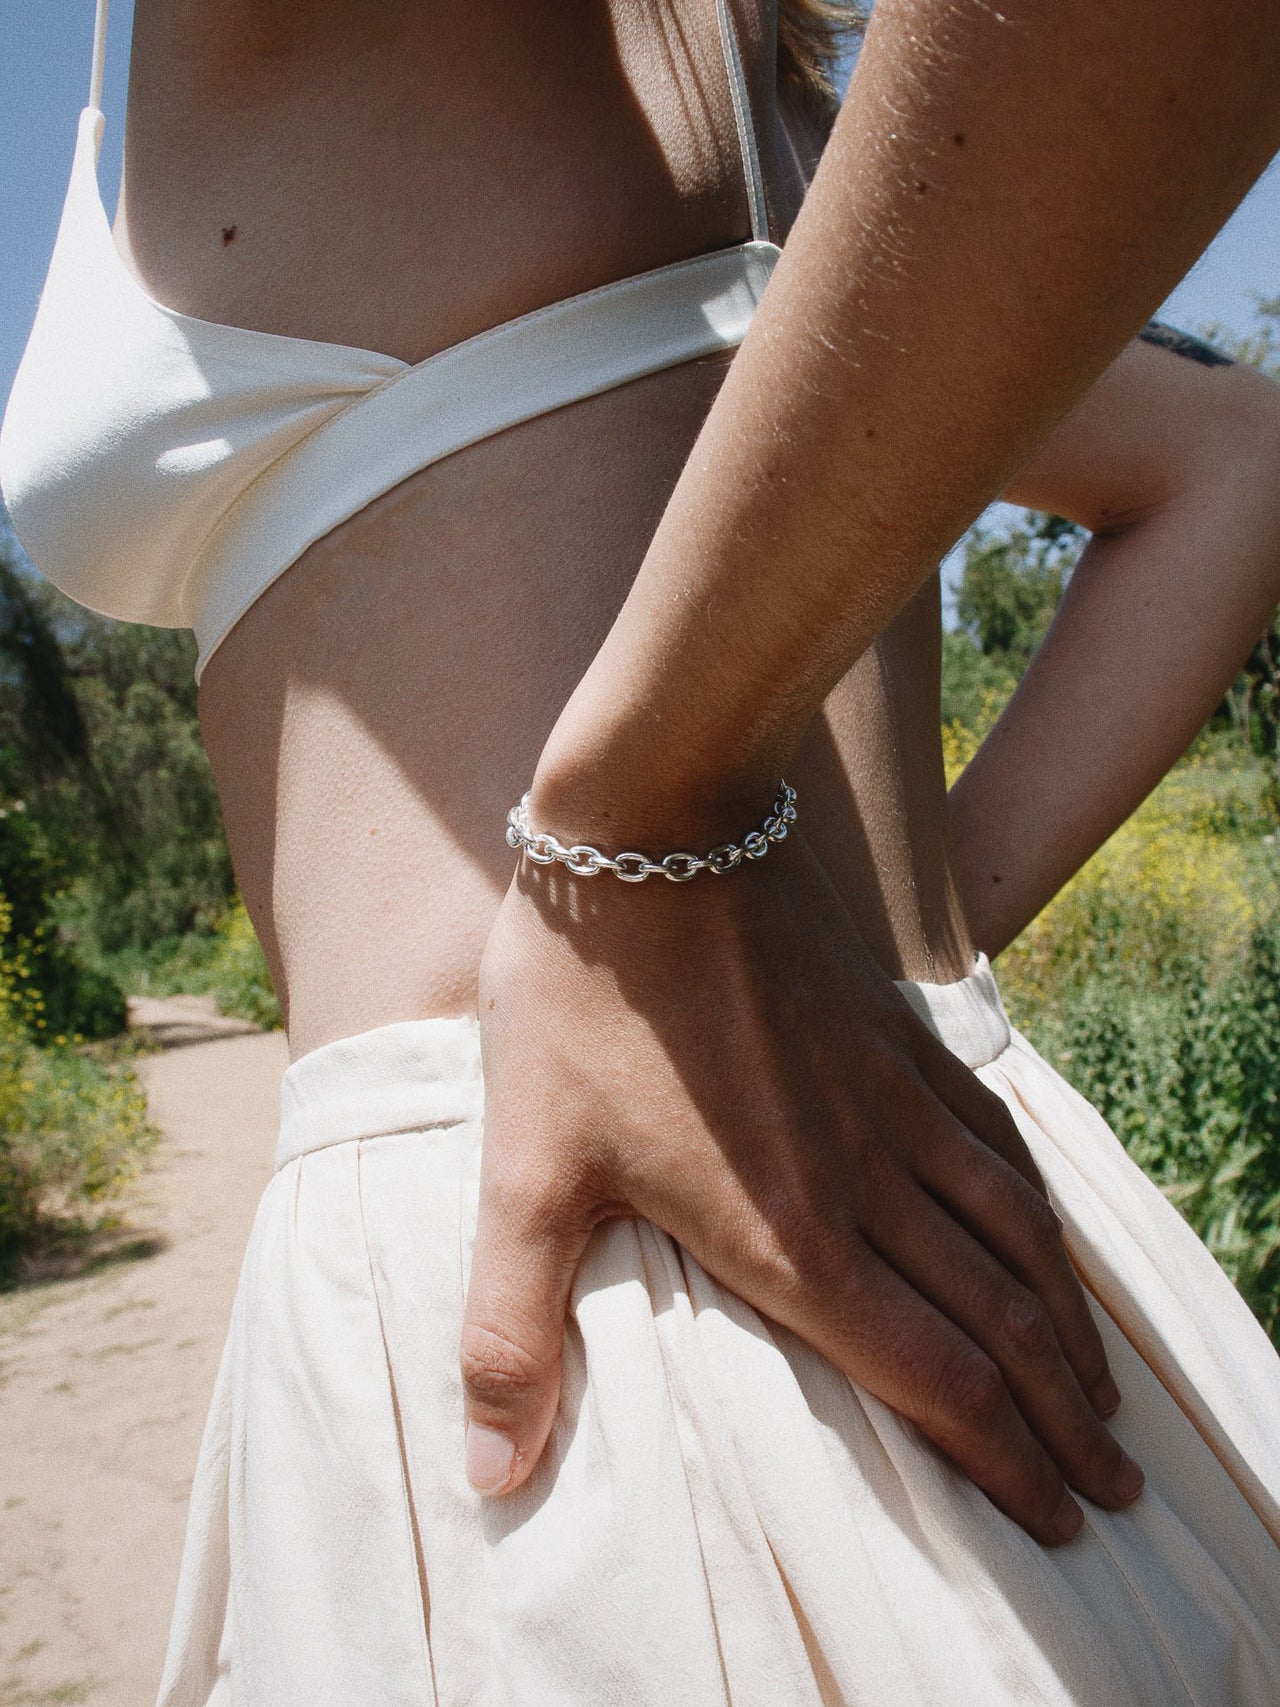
(522, 1268)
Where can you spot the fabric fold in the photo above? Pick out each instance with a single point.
(722, 1517)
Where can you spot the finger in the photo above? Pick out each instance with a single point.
(1012, 1325)
(1019, 1227)
(833, 1290)
(985, 1114)
(527, 1250)
(893, 1341)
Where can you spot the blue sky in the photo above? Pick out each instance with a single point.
(44, 78)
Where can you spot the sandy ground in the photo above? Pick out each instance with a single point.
(104, 1380)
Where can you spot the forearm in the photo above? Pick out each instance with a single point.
(1156, 622)
(968, 185)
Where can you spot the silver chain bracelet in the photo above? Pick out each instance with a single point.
(583, 861)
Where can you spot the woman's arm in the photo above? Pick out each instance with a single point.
(978, 243)
(1173, 463)
(722, 1057)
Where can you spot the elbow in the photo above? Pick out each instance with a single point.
(1220, 471)
(1234, 487)
(1238, 443)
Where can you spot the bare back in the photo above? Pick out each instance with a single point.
(397, 178)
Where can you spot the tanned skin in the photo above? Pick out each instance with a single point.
(656, 601)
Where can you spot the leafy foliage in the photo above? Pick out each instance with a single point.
(1262, 349)
(1174, 1037)
(109, 832)
(99, 739)
(50, 990)
(1008, 591)
(73, 1129)
(161, 864)
(1152, 981)
(226, 963)
(975, 687)
(1011, 586)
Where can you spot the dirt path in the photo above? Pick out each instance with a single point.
(104, 1382)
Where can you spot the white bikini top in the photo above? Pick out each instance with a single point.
(166, 469)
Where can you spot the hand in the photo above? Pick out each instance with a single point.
(723, 1058)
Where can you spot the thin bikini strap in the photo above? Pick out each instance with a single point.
(741, 117)
(99, 55)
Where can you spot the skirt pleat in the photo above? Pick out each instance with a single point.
(721, 1518)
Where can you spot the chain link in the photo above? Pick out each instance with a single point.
(631, 867)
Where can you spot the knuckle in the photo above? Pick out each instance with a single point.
(1026, 1329)
(496, 1369)
(971, 1393)
(989, 1190)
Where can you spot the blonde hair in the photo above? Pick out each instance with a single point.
(811, 35)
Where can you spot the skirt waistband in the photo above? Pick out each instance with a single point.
(419, 1074)
(406, 1077)
(968, 1015)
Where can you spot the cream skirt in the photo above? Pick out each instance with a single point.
(721, 1517)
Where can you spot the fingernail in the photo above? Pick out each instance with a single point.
(1106, 1397)
(490, 1456)
(1128, 1481)
(1068, 1518)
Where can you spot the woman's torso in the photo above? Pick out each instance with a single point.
(397, 177)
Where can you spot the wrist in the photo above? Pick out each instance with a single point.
(679, 865)
(632, 793)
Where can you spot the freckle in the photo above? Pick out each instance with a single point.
(871, 432)
(958, 139)
(229, 233)
(493, 1002)
(995, 877)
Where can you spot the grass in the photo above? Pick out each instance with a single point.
(1152, 982)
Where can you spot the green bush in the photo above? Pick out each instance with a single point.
(73, 1132)
(226, 963)
(99, 738)
(1011, 584)
(1187, 1077)
(73, 1129)
(1152, 982)
(50, 990)
(160, 865)
(973, 683)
